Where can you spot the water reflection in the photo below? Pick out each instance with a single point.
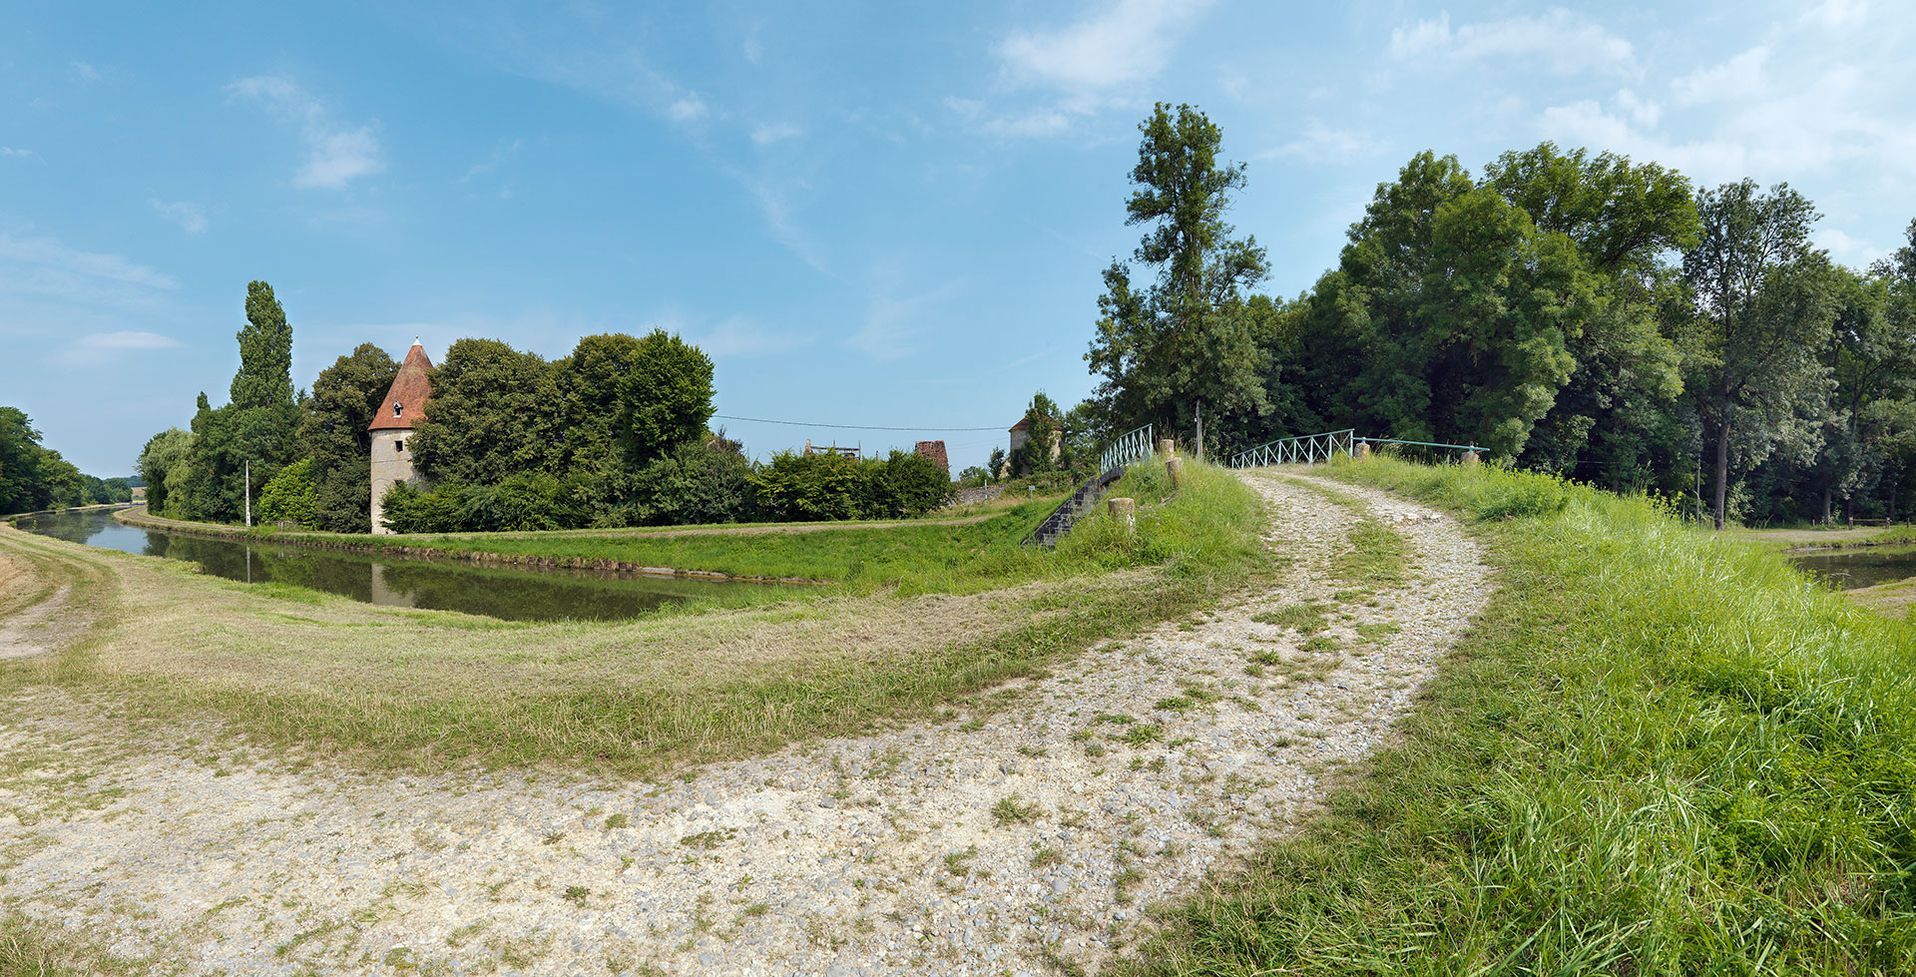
(509, 594)
(1861, 567)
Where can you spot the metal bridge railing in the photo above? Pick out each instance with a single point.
(1128, 448)
(1312, 448)
(1303, 448)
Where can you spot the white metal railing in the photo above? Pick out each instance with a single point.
(1128, 448)
(1307, 448)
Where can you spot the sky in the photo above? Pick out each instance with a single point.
(867, 214)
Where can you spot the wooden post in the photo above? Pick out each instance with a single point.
(1164, 447)
(1363, 450)
(1125, 513)
(1175, 466)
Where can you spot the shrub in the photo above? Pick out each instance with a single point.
(695, 483)
(290, 496)
(799, 487)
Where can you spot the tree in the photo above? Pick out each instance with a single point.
(258, 430)
(1044, 434)
(1184, 339)
(291, 497)
(1761, 295)
(495, 412)
(22, 488)
(1450, 315)
(164, 453)
(629, 402)
(1608, 424)
(333, 433)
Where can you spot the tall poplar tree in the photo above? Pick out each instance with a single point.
(1184, 339)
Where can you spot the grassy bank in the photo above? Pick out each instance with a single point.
(1658, 752)
(967, 551)
(426, 690)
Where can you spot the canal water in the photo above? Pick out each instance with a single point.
(1860, 567)
(507, 593)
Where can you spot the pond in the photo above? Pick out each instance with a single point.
(1861, 567)
(506, 593)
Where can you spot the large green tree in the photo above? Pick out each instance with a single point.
(1762, 296)
(1184, 339)
(165, 454)
(1610, 423)
(258, 429)
(333, 433)
(495, 412)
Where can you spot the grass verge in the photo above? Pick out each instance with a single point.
(392, 687)
(1657, 752)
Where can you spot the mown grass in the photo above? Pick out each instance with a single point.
(28, 949)
(1657, 752)
(429, 690)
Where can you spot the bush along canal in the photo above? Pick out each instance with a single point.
(510, 594)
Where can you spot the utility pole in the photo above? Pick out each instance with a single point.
(1200, 420)
(248, 492)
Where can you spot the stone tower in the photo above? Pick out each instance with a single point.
(404, 407)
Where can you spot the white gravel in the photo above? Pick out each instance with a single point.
(872, 855)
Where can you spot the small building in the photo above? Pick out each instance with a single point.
(403, 408)
(139, 494)
(1021, 436)
(935, 450)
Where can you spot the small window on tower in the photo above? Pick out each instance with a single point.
(399, 446)
(398, 408)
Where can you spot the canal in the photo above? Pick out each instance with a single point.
(506, 593)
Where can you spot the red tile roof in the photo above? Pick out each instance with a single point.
(411, 389)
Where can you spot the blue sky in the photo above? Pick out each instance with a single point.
(881, 213)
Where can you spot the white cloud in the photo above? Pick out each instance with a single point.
(688, 108)
(1127, 42)
(1097, 62)
(95, 347)
(1838, 13)
(739, 336)
(1847, 248)
(336, 154)
(11, 152)
(1642, 111)
(1735, 79)
(1320, 143)
(752, 49)
(86, 73)
(769, 133)
(1564, 41)
(39, 255)
(189, 216)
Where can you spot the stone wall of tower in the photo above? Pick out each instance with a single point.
(392, 463)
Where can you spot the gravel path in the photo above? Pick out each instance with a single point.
(1009, 843)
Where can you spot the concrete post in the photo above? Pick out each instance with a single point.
(1125, 513)
(1363, 450)
(1164, 447)
(1175, 467)
(1470, 458)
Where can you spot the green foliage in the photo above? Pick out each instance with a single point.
(495, 412)
(698, 482)
(36, 477)
(265, 377)
(1187, 337)
(1044, 431)
(333, 431)
(164, 454)
(290, 497)
(1656, 752)
(795, 486)
(526, 501)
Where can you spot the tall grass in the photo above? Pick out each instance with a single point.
(1658, 752)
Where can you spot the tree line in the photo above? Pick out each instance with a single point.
(1574, 312)
(35, 477)
(613, 434)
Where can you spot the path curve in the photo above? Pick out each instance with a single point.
(1005, 844)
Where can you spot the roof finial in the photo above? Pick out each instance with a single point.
(415, 340)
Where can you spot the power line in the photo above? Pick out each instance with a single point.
(851, 427)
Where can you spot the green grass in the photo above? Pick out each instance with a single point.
(1657, 752)
(394, 688)
(31, 950)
